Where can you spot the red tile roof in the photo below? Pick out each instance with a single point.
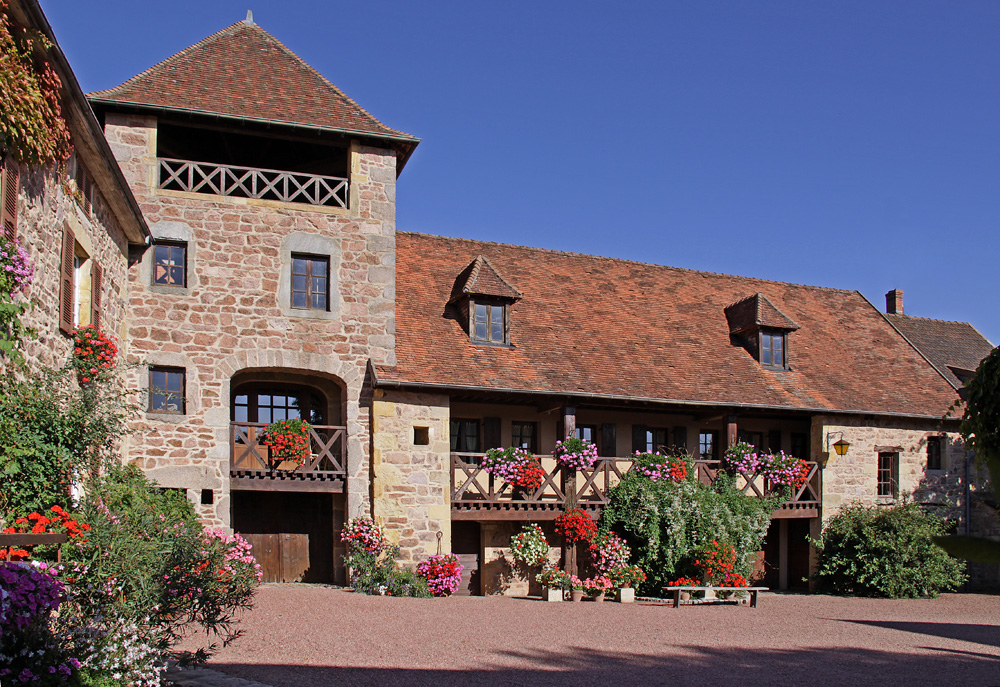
(947, 344)
(479, 278)
(614, 328)
(756, 311)
(243, 71)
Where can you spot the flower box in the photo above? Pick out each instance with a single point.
(625, 595)
(552, 594)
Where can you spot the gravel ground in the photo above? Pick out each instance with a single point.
(313, 635)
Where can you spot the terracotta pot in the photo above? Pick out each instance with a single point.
(685, 596)
(576, 595)
(599, 598)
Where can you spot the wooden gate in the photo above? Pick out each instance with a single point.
(283, 557)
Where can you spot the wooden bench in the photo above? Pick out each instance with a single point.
(9, 541)
(675, 592)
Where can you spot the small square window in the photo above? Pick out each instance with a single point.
(166, 390)
(310, 282)
(934, 451)
(421, 436)
(170, 264)
(489, 323)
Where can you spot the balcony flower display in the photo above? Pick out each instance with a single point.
(575, 453)
(94, 353)
(288, 440)
(529, 546)
(659, 467)
(575, 526)
(362, 534)
(783, 469)
(516, 466)
(715, 561)
(442, 572)
(553, 578)
(742, 457)
(608, 551)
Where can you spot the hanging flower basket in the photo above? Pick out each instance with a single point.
(575, 526)
(529, 546)
(288, 440)
(576, 454)
(443, 573)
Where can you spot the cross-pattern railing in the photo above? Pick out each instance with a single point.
(473, 489)
(252, 182)
(249, 458)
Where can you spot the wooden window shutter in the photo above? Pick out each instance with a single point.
(8, 209)
(681, 437)
(609, 442)
(774, 440)
(66, 294)
(96, 284)
(491, 433)
(639, 438)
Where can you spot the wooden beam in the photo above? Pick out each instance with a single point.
(731, 432)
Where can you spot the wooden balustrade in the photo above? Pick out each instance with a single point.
(251, 467)
(252, 182)
(477, 495)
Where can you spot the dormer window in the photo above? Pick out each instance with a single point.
(483, 299)
(759, 327)
(489, 323)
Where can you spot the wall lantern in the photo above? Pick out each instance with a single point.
(841, 447)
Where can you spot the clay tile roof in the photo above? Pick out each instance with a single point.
(617, 329)
(756, 311)
(243, 71)
(946, 344)
(479, 278)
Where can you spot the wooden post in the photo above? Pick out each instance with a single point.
(783, 553)
(731, 434)
(569, 487)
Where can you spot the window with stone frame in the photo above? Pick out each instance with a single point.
(310, 282)
(81, 286)
(167, 387)
(170, 263)
(888, 475)
(524, 435)
(489, 322)
(935, 451)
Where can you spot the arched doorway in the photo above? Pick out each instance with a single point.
(292, 525)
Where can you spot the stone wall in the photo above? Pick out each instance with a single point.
(500, 573)
(44, 209)
(411, 480)
(231, 318)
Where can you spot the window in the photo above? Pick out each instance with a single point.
(772, 348)
(166, 390)
(755, 439)
(934, 451)
(269, 403)
(888, 475)
(650, 439)
(421, 436)
(81, 286)
(524, 435)
(800, 445)
(310, 282)
(170, 264)
(465, 436)
(587, 433)
(708, 444)
(489, 323)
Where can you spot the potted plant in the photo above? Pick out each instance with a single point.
(574, 453)
(555, 581)
(287, 440)
(597, 587)
(625, 580)
(517, 467)
(685, 582)
(529, 546)
(608, 551)
(575, 585)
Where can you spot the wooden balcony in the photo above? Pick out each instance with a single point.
(251, 182)
(477, 495)
(251, 468)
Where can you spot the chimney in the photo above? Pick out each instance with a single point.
(894, 302)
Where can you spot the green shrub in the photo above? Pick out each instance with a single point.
(885, 551)
(378, 573)
(665, 523)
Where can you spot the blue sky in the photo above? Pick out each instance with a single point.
(852, 144)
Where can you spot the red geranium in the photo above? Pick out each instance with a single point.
(58, 522)
(574, 525)
(716, 560)
(94, 353)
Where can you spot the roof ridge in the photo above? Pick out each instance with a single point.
(929, 319)
(631, 262)
(202, 42)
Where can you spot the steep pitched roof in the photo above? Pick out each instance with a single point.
(619, 329)
(946, 344)
(479, 278)
(243, 71)
(756, 311)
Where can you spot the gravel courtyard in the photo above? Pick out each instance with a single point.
(311, 635)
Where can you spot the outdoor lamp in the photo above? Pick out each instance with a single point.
(841, 447)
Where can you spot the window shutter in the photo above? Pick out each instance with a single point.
(639, 438)
(8, 210)
(66, 282)
(609, 442)
(96, 285)
(491, 433)
(774, 440)
(681, 437)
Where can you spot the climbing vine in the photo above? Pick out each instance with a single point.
(32, 127)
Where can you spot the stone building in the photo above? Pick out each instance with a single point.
(278, 287)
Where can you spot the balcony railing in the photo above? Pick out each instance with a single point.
(251, 182)
(251, 467)
(475, 494)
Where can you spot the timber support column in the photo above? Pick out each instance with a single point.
(569, 487)
(731, 433)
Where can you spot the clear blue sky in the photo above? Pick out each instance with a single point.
(853, 144)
